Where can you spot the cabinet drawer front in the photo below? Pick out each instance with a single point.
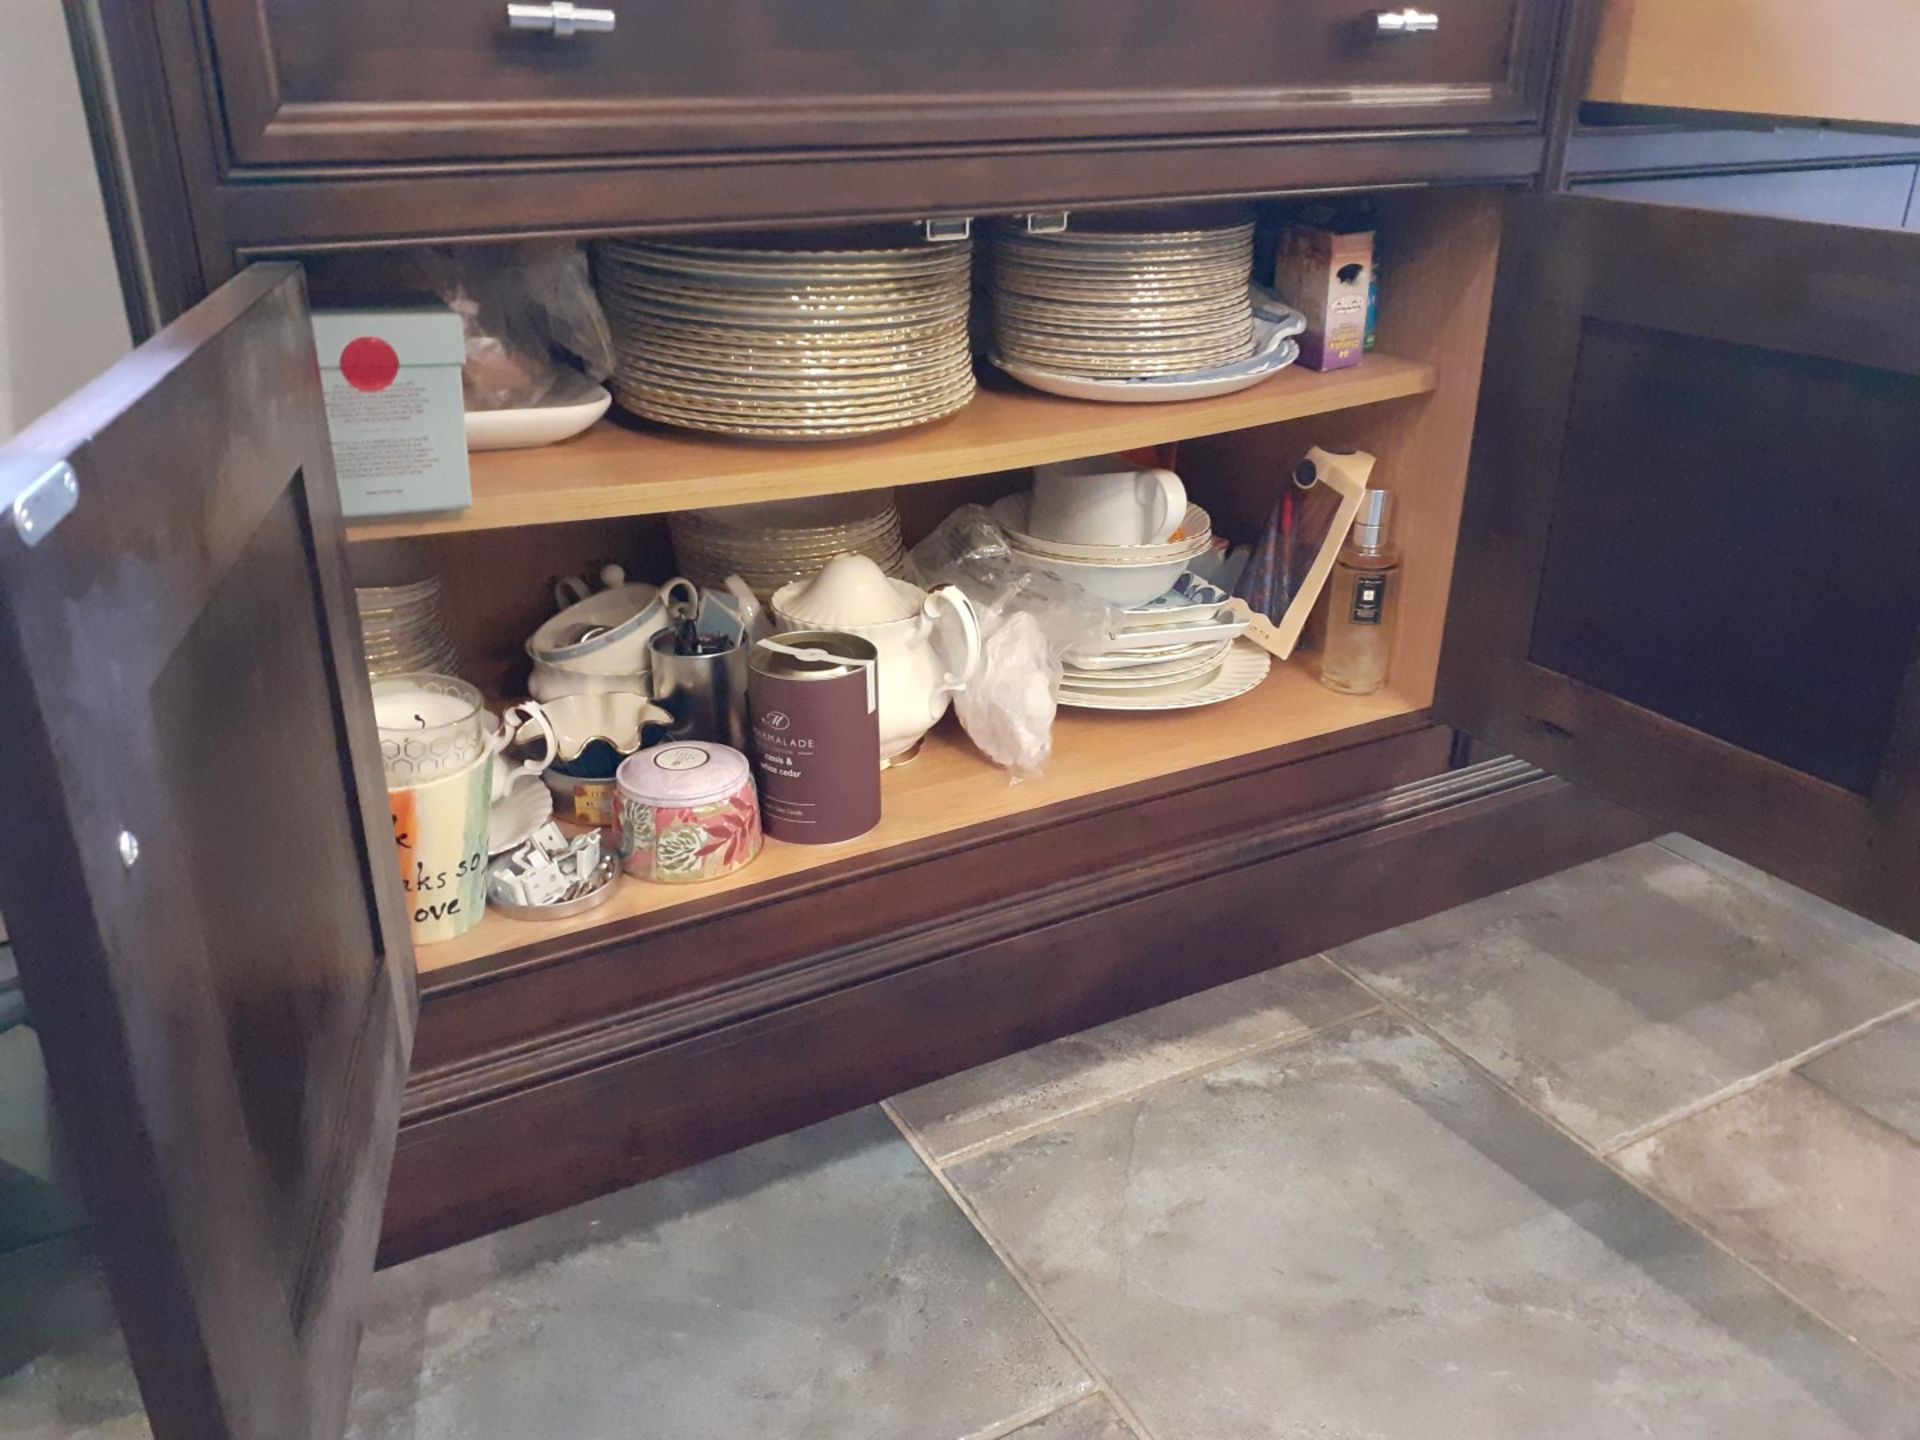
(446, 79)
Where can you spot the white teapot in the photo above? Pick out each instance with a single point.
(929, 641)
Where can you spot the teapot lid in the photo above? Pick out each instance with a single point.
(850, 590)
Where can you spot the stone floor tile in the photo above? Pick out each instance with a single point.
(1358, 1235)
(1814, 1194)
(1879, 1073)
(1868, 936)
(1009, 1096)
(1619, 993)
(1089, 1419)
(820, 1286)
(64, 1372)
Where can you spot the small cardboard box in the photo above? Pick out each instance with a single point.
(1325, 274)
(394, 408)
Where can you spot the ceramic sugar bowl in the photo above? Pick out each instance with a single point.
(929, 641)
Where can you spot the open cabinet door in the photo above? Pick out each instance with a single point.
(195, 860)
(1689, 569)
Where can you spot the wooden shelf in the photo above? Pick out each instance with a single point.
(951, 786)
(626, 467)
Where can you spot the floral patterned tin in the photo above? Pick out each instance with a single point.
(688, 812)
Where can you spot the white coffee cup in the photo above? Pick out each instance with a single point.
(1087, 502)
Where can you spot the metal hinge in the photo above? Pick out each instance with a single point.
(36, 504)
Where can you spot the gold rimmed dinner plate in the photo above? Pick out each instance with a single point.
(797, 412)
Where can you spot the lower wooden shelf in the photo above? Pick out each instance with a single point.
(951, 786)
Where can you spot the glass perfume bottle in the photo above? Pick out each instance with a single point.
(1363, 603)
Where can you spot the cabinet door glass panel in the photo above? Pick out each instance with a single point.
(1687, 572)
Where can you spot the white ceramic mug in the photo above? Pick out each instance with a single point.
(1083, 503)
(506, 729)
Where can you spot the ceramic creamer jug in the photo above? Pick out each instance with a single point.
(929, 641)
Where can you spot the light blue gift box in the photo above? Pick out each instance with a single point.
(392, 383)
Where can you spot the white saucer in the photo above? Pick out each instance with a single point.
(527, 805)
(1245, 666)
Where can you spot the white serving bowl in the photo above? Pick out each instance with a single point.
(1117, 583)
(1196, 528)
(572, 406)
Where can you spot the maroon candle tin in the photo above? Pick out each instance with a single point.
(815, 704)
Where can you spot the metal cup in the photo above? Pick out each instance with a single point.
(705, 694)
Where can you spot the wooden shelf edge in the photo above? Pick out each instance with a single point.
(625, 468)
(951, 788)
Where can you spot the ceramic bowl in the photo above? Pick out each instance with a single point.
(572, 405)
(1196, 532)
(552, 682)
(1124, 585)
(605, 633)
(627, 663)
(615, 716)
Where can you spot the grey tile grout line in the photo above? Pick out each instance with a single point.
(1394, 1008)
(1008, 1138)
(1032, 1415)
(1103, 1384)
(1693, 1109)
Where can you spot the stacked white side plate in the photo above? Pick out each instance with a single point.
(403, 629)
(776, 543)
(1109, 303)
(1174, 653)
(788, 344)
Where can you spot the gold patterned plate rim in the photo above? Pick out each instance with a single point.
(906, 255)
(756, 410)
(823, 432)
(839, 338)
(750, 282)
(889, 293)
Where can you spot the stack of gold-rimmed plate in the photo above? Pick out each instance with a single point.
(775, 543)
(1120, 303)
(788, 344)
(403, 629)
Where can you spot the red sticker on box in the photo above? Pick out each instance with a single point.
(369, 363)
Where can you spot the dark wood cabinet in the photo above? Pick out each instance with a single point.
(1655, 506)
(361, 81)
(233, 130)
(201, 889)
(1686, 569)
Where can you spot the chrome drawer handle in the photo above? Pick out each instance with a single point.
(1405, 22)
(559, 18)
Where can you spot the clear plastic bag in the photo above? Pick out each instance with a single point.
(526, 309)
(1028, 620)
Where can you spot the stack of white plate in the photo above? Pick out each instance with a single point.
(1121, 304)
(403, 629)
(1118, 574)
(1175, 653)
(776, 543)
(788, 344)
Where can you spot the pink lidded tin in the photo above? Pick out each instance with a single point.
(688, 812)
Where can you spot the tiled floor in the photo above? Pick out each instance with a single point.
(1634, 1151)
